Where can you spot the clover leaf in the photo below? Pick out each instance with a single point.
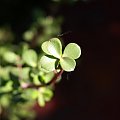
(45, 47)
(72, 50)
(47, 63)
(67, 64)
(53, 47)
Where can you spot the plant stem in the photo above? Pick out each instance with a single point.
(52, 82)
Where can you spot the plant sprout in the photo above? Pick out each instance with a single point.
(65, 60)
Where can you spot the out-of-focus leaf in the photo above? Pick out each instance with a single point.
(41, 100)
(25, 73)
(10, 57)
(47, 77)
(30, 94)
(15, 71)
(48, 94)
(4, 72)
(30, 58)
(5, 100)
(22, 73)
(7, 88)
(36, 80)
(3, 49)
(28, 35)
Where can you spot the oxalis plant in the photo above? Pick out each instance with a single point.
(32, 76)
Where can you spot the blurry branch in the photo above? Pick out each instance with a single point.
(52, 82)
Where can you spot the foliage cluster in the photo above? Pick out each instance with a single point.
(30, 69)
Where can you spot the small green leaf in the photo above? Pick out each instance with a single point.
(7, 87)
(10, 57)
(5, 100)
(41, 100)
(15, 71)
(47, 63)
(30, 94)
(72, 50)
(48, 94)
(67, 64)
(36, 80)
(25, 73)
(47, 77)
(4, 73)
(45, 47)
(55, 47)
(30, 58)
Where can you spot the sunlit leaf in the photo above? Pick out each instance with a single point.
(36, 80)
(47, 63)
(41, 100)
(7, 87)
(55, 47)
(5, 100)
(10, 57)
(72, 50)
(45, 47)
(48, 94)
(25, 72)
(28, 35)
(30, 94)
(15, 71)
(4, 72)
(67, 64)
(47, 77)
(30, 58)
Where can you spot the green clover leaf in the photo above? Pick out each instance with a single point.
(47, 63)
(45, 47)
(53, 47)
(67, 64)
(72, 50)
